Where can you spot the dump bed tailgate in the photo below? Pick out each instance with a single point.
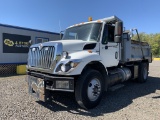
(133, 50)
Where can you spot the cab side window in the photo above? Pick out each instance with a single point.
(108, 34)
(111, 33)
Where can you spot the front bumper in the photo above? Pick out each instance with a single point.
(36, 87)
(39, 84)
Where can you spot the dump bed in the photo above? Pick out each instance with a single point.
(133, 50)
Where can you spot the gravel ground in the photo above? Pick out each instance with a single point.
(133, 102)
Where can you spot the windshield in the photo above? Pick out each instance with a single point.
(86, 32)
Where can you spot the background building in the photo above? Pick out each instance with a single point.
(14, 47)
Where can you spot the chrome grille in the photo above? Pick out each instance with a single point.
(41, 58)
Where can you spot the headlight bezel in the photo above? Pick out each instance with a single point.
(67, 67)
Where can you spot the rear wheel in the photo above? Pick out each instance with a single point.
(143, 72)
(89, 87)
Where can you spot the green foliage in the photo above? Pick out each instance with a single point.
(153, 40)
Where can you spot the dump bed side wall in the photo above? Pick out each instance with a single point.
(131, 50)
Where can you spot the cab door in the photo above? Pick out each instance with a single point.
(109, 50)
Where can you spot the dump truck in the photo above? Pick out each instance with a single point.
(91, 58)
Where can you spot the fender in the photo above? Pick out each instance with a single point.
(85, 57)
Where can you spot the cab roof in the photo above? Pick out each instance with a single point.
(110, 20)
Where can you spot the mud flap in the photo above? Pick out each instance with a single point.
(36, 87)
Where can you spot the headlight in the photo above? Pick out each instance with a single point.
(65, 67)
(74, 64)
(70, 65)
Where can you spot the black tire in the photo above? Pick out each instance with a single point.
(143, 72)
(85, 84)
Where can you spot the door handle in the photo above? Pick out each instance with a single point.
(106, 47)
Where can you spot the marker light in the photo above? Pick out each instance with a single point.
(90, 19)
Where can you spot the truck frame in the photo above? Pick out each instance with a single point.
(91, 58)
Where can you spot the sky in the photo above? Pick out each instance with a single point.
(57, 15)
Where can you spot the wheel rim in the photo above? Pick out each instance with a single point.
(94, 89)
(145, 72)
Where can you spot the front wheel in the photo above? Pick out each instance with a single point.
(89, 87)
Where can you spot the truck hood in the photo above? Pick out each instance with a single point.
(77, 45)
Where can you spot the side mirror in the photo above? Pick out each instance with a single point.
(118, 32)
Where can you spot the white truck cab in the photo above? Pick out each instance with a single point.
(91, 57)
